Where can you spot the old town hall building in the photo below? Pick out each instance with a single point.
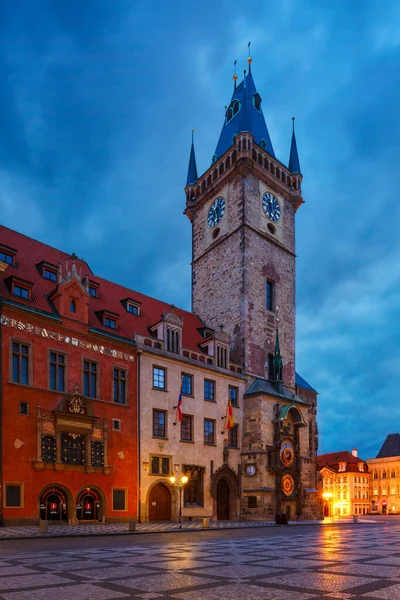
(115, 405)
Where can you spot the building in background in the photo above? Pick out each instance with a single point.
(242, 210)
(346, 484)
(385, 477)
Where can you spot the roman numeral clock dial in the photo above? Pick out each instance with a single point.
(216, 211)
(271, 207)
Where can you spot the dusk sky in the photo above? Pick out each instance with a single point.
(97, 102)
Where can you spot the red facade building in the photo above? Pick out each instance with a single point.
(69, 446)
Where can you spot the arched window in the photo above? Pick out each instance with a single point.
(257, 102)
(375, 475)
(233, 109)
(72, 306)
(384, 475)
(393, 474)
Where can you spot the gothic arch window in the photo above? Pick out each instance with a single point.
(173, 340)
(393, 474)
(233, 109)
(222, 357)
(72, 306)
(257, 102)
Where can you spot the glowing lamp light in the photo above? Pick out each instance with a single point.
(172, 479)
(184, 479)
(327, 495)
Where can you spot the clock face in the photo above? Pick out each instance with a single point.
(250, 470)
(287, 485)
(216, 212)
(287, 453)
(271, 207)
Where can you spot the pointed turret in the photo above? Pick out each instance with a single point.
(294, 163)
(244, 114)
(192, 176)
(278, 362)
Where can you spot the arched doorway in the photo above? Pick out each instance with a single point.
(89, 505)
(54, 504)
(160, 503)
(223, 500)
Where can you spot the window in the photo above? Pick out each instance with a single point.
(48, 274)
(222, 357)
(209, 431)
(375, 475)
(233, 395)
(72, 306)
(187, 428)
(160, 465)
(159, 429)
(24, 408)
(119, 376)
(119, 499)
(233, 437)
(187, 384)
(116, 424)
(20, 363)
(73, 448)
(22, 292)
(7, 258)
(172, 340)
(133, 308)
(13, 495)
(270, 295)
(233, 109)
(193, 491)
(57, 371)
(159, 378)
(252, 502)
(109, 322)
(89, 379)
(92, 291)
(384, 475)
(257, 104)
(209, 390)
(97, 454)
(49, 453)
(393, 474)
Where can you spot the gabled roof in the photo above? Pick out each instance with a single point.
(248, 119)
(390, 447)
(110, 298)
(333, 459)
(300, 382)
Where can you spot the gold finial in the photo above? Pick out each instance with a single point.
(234, 74)
(249, 60)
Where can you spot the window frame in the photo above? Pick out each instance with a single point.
(113, 421)
(191, 421)
(133, 305)
(236, 388)
(118, 368)
(210, 381)
(49, 271)
(160, 456)
(165, 413)
(30, 360)
(97, 363)
(213, 443)
(27, 413)
(7, 255)
(21, 486)
(118, 488)
(107, 320)
(234, 428)
(270, 297)
(191, 395)
(21, 287)
(65, 365)
(199, 479)
(159, 368)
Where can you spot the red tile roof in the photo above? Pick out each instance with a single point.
(30, 253)
(333, 459)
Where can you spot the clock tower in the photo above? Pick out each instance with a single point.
(242, 211)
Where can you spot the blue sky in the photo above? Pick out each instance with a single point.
(97, 102)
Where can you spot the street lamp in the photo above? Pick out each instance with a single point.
(180, 484)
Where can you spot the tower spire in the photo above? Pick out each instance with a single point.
(192, 176)
(249, 60)
(235, 77)
(278, 362)
(294, 163)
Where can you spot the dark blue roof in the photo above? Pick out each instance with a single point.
(247, 119)
(300, 382)
(391, 446)
(294, 163)
(192, 169)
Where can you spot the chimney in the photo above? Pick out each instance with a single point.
(355, 452)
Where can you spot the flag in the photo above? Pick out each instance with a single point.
(229, 422)
(178, 407)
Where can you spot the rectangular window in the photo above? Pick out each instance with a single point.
(222, 357)
(48, 274)
(233, 395)
(119, 376)
(251, 501)
(13, 495)
(119, 499)
(108, 322)
(187, 428)
(7, 258)
(57, 371)
(20, 363)
(160, 465)
(159, 378)
(93, 291)
(209, 431)
(270, 295)
(116, 424)
(73, 448)
(233, 437)
(209, 390)
(49, 453)
(24, 408)
(89, 379)
(133, 308)
(193, 494)
(172, 340)
(20, 291)
(159, 423)
(187, 384)
(97, 454)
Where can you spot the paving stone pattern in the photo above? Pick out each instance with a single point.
(305, 564)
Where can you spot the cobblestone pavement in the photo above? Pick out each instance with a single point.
(330, 563)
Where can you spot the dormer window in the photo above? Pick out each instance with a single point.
(173, 340)
(133, 308)
(233, 109)
(92, 291)
(72, 306)
(49, 274)
(257, 102)
(21, 291)
(263, 144)
(7, 258)
(342, 466)
(109, 322)
(222, 356)
(361, 466)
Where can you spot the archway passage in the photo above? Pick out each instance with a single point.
(223, 500)
(54, 504)
(89, 505)
(160, 503)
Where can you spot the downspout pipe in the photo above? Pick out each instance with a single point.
(139, 355)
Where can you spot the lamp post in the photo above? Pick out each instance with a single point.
(180, 485)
